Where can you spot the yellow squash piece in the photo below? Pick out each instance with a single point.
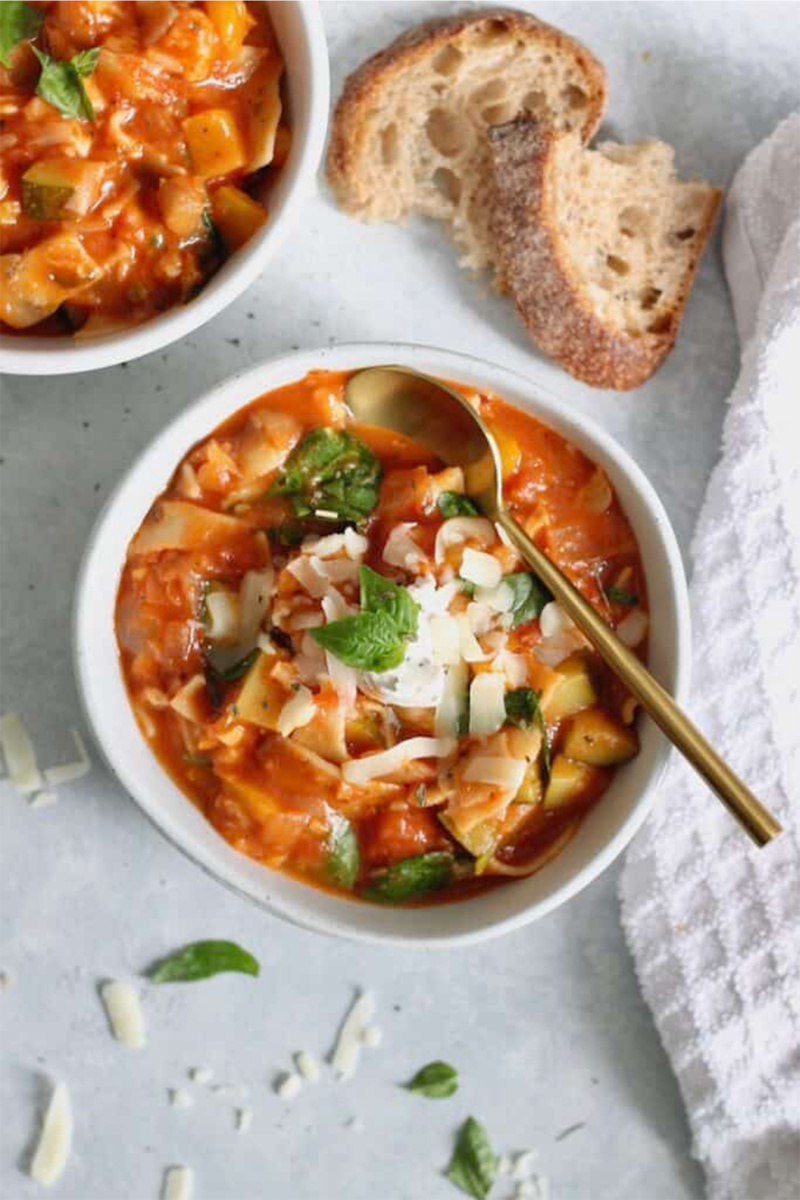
(262, 97)
(232, 22)
(597, 739)
(215, 143)
(57, 189)
(236, 215)
(572, 692)
(36, 283)
(569, 781)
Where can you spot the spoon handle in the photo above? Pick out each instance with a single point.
(737, 798)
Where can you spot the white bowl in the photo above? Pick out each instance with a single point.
(301, 35)
(609, 826)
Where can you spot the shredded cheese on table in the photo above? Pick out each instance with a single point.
(20, 756)
(344, 1059)
(178, 1183)
(55, 1140)
(124, 1013)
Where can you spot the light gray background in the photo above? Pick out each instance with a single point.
(547, 1025)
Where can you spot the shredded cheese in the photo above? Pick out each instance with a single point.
(487, 704)
(480, 617)
(178, 1183)
(308, 1066)
(505, 773)
(244, 1119)
(400, 549)
(453, 702)
(482, 569)
(373, 766)
(19, 754)
(446, 638)
(343, 678)
(553, 621)
(180, 1098)
(458, 530)
(471, 649)
(296, 712)
(69, 772)
(372, 1036)
(344, 1059)
(44, 800)
(308, 576)
(632, 629)
(201, 1075)
(500, 599)
(289, 1086)
(55, 1140)
(124, 1013)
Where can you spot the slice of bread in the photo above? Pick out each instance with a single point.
(409, 131)
(599, 248)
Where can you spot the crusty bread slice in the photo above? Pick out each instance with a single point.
(409, 131)
(599, 248)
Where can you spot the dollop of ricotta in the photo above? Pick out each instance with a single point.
(419, 680)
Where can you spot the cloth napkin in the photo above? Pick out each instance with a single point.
(714, 923)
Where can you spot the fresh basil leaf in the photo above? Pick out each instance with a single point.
(453, 504)
(530, 597)
(201, 960)
(237, 669)
(289, 533)
(85, 61)
(619, 595)
(343, 853)
(379, 594)
(368, 641)
(437, 1081)
(330, 471)
(473, 1167)
(413, 877)
(18, 23)
(61, 83)
(523, 709)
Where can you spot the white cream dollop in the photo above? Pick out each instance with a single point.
(419, 680)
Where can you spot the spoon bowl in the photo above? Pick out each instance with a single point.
(432, 413)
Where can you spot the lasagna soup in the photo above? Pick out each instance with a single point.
(137, 141)
(337, 659)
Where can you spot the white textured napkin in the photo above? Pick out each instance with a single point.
(713, 923)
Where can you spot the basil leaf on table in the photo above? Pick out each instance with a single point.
(379, 594)
(523, 709)
(453, 504)
(201, 960)
(413, 877)
(368, 641)
(437, 1081)
(343, 852)
(473, 1167)
(330, 472)
(61, 83)
(530, 597)
(18, 23)
(619, 595)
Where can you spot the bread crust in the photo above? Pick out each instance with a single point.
(363, 86)
(558, 318)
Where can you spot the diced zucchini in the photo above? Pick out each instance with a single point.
(569, 781)
(531, 790)
(60, 188)
(596, 738)
(479, 841)
(236, 215)
(215, 143)
(262, 98)
(573, 691)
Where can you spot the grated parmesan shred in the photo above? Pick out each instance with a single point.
(19, 754)
(43, 800)
(124, 1013)
(180, 1098)
(55, 1140)
(178, 1183)
(244, 1119)
(70, 772)
(289, 1086)
(201, 1075)
(308, 1066)
(344, 1059)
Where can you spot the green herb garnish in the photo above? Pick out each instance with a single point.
(413, 877)
(367, 641)
(437, 1081)
(375, 638)
(530, 597)
(330, 472)
(289, 533)
(618, 595)
(61, 83)
(237, 669)
(523, 708)
(201, 960)
(18, 23)
(453, 504)
(473, 1167)
(468, 587)
(379, 594)
(343, 853)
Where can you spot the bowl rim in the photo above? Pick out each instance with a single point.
(47, 356)
(349, 356)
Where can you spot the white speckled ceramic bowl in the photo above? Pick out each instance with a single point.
(301, 35)
(609, 826)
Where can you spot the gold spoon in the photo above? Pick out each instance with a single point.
(432, 413)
